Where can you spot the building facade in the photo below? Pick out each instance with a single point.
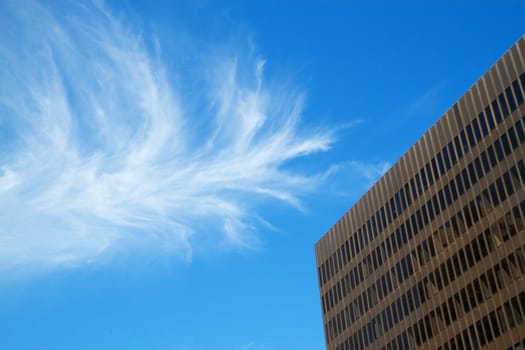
(433, 255)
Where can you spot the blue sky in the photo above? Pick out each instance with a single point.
(166, 168)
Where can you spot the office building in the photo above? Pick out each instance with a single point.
(433, 255)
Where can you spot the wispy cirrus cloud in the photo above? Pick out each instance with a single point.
(102, 146)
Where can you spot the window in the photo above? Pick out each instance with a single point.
(460, 184)
(407, 194)
(440, 164)
(501, 190)
(453, 190)
(513, 138)
(499, 151)
(379, 222)
(448, 196)
(508, 183)
(452, 153)
(517, 91)
(492, 155)
(458, 147)
(470, 136)
(497, 113)
(388, 213)
(510, 98)
(485, 161)
(490, 119)
(506, 145)
(425, 216)
(483, 124)
(477, 131)
(429, 174)
(413, 186)
(464, 141)
(479, 170)
(398, 203)
(466, 180)
(493, 195)
(411, 229)
(403, 199)
(434, 167)
(424, 178)
(446, 158)
(442, 200)
(375, 225)
(504, 107)
(430, 211)
(419, 220)
(418, 182)
(393, 208)
(435, 204)
(404, 233)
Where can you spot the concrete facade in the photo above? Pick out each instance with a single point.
(433, 255)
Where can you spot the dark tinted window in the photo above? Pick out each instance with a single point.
(499, 150)
(407, 194)
(513, 138)
(490, 119)
(492, 155)
(485, 161)
(418, 182)
(510, 98)
(453, 190)
(388, 213)
(503, 104)
(517, 91)
(458, 147)
(466, 180)
(464, 141)
(434, 167)
(403, 199)
(505, 142)
(452, 153)
(473, 177)
(393, 208)
(413, 186)
(459, 183)
(448, 196)
(470, 136)
(446, 158)
(483, 124)
(429, 174)
(424, 178)
(521, 133)
(477, 164)
(497, 113)
(440, 163)
(477, 132)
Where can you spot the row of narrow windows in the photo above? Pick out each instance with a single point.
(473, 133)
(496, 323)
(473, 294)
(443, 236)
(495, 279)
(481, 333)
(465, 179)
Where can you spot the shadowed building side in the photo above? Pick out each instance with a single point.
(433, 255)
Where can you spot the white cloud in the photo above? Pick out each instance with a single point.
(106, 148)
